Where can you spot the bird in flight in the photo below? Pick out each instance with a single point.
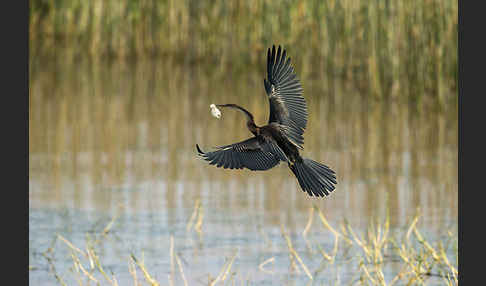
(281, 138)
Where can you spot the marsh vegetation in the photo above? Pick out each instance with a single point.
(377, 256)
(119, 94)
(384, 48)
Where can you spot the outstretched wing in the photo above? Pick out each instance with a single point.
(254, 154)
(287, 105)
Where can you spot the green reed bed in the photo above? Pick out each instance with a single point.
(385, 48)
(370, 251)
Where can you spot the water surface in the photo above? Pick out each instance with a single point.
(118, 140)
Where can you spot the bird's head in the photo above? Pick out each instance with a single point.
(215, 111)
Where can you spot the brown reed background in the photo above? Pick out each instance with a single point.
(383, 48)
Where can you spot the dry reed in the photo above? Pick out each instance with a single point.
(420, 258)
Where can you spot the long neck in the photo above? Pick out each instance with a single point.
(252, 127)
(250, 123)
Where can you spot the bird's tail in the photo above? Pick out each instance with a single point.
(314, 178)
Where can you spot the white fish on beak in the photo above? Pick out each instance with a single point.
(215, 111)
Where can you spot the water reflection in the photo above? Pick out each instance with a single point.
(107, 135)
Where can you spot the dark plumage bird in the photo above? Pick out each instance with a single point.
(282, 137)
